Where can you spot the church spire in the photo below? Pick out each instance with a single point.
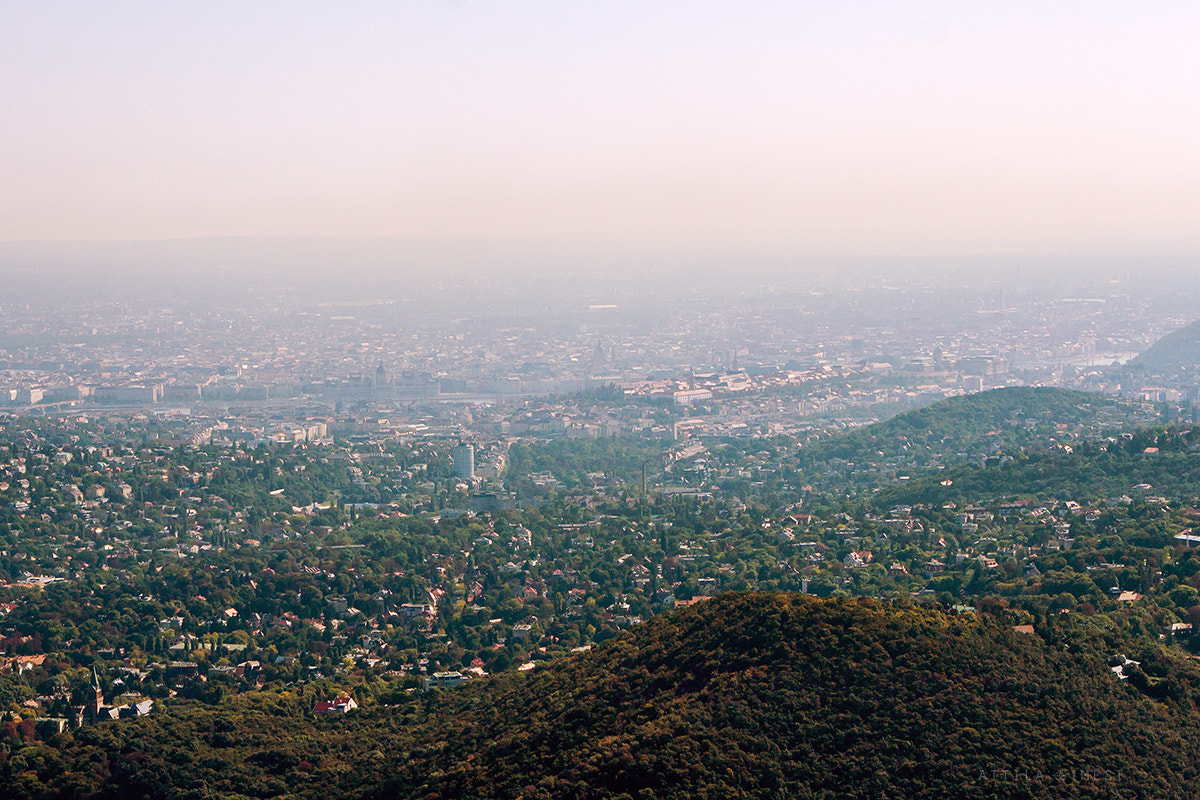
(97, 695)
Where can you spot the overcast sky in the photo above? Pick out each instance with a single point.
(832, 127)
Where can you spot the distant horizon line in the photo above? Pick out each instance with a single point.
(626, 242)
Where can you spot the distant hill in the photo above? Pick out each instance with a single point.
(1176, 351)
(1160, 462)
(963, 429)
(742, 696)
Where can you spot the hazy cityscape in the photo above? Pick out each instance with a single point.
(527, 401)
(770, 352)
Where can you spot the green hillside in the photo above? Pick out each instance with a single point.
(785, 696)
(1159, 462)
(745, 695)
(963, 429)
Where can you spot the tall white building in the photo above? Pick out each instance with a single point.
(464, 462)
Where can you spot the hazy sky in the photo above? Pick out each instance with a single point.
(828, 127)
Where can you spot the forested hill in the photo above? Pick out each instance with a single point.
(1157, 462)
(766, 695)
(966, 428)
(1177, 350)
(744, 695)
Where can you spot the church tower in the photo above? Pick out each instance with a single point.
(97, 701)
